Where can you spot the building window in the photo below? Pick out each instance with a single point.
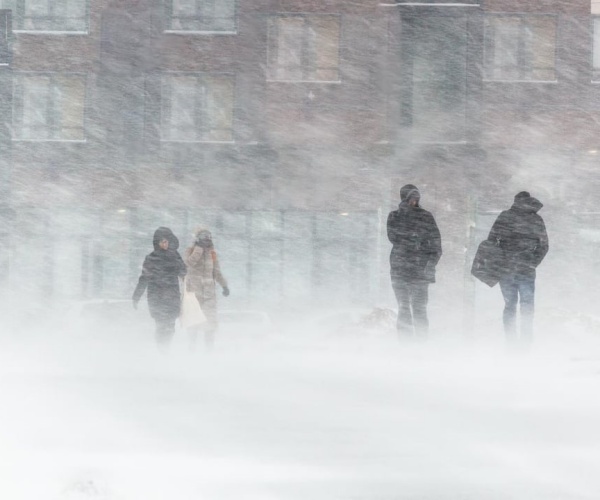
(304, 48)
(48, 15)
(197, 108)
(520, 47)
(437, 102)
(201, 15)
(49, 107)
(596, 50)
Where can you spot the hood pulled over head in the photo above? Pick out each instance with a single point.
(524, 201)
(164, 233)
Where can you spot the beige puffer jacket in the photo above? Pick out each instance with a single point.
(203, 271)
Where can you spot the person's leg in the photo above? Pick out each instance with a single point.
(510, 293)
(527, 302)
(165, 328)
(404, 323)
(420, 297)
(160, 326)
(170, 327)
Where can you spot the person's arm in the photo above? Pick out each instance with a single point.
(194, 256)
(142, 282)
(499, 230)
(542, 248)
(435, 242)
(182, 267)
(392, 229)
(218, 275)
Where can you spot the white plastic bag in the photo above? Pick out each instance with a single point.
(191, 313)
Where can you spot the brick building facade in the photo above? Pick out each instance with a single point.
(287, 126)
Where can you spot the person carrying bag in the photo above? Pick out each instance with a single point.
(191, 314)
(204, 273)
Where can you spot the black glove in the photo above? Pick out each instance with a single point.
(225, 291)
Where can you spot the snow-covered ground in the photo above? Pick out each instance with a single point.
(299, 415)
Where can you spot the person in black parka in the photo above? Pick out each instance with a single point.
(417, 248)
(160, 275)
(521, 234)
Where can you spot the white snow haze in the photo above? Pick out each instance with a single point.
(287, 128)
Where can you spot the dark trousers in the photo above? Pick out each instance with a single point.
(518, 288)
(412, 307)
(165, 329)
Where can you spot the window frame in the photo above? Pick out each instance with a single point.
(273, 48)
(18, 20)
(594, 18)
(416, 84)
(198, 75)
(18, 101)
(6, 34)
(523, 17)
(168, 8)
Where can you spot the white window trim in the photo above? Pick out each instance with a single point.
(448, 143)
(316, 82)
(485, 80)
(429, 4)
(80, 141)
(194, 142)
(199, 33)
(50, 32)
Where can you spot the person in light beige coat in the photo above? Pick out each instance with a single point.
(203, 273)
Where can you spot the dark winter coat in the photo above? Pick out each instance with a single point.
(160, 275)
(521, 234)
(417, 244)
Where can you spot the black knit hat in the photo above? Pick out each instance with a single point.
(409, 192)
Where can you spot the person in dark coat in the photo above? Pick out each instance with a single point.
(521, 234)
(160, 276)
(417, 248)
